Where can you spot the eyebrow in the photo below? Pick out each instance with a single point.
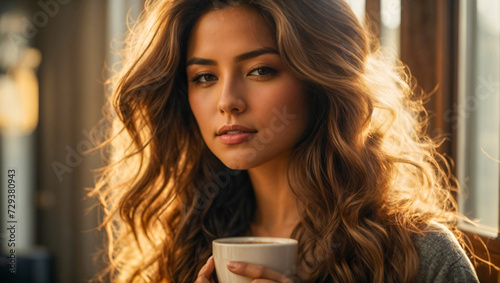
(239, 58)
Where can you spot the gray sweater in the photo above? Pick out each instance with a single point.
(442, 259)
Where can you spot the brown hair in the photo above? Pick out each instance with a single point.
(368, 178)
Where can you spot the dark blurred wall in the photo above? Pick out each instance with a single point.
(73, 42)
(72, 36)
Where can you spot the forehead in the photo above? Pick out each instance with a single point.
(229, 30)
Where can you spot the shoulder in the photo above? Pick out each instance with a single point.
(442, 259)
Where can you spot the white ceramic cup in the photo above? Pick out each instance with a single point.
(279, 254)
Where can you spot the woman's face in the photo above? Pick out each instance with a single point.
(248, 106)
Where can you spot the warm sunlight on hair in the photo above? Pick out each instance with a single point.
(279, 119)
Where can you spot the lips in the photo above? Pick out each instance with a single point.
(233, 130)
(234, 134)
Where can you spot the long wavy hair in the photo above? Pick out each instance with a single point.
(366, 174)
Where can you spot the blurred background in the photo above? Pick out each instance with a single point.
(53, 63)
(54, 59)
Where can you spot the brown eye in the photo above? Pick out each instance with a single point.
(204, 79)
(263, 71)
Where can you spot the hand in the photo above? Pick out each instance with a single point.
(204, 276)
(258, 273)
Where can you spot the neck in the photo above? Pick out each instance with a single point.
(276, 214)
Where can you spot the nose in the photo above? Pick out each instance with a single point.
(231, 99)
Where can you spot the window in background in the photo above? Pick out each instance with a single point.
(390, 13)
(358, 7)
(120, 13)
(478, 111)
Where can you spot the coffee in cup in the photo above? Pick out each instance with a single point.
(279, 254)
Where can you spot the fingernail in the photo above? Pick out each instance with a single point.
(211, 257)
(231, 264)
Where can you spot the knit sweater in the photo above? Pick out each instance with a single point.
(442, 259)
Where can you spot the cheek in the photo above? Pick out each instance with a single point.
(200, 113)
(193, 104)
(284, 109)
(285, 98)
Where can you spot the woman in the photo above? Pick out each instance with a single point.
(271, 118)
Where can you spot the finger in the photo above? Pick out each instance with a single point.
(255, 271)
(206, 271)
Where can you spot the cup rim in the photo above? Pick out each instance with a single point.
(236, 241)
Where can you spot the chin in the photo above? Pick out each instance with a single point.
(236, 164)
(245, 160)
(238, 161)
